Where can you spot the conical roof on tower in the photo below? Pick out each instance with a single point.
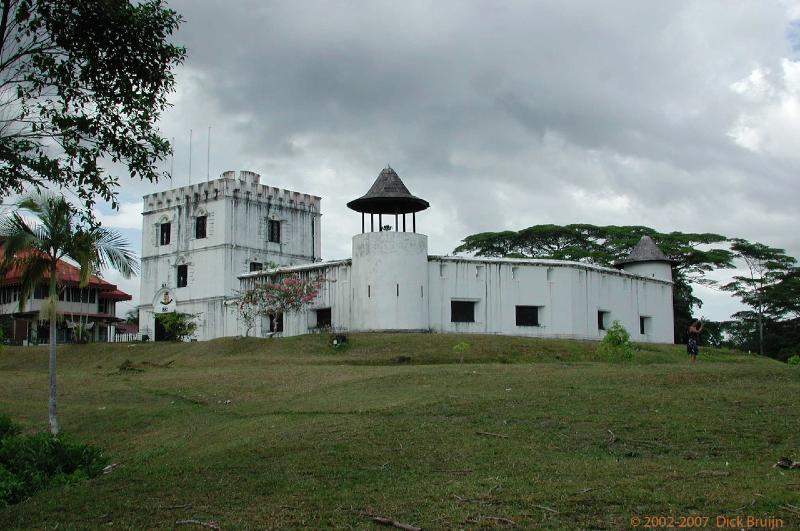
(645, 251)
(388, 195)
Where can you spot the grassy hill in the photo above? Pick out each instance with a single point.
(526, 433)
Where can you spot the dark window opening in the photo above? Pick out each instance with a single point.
(644, 325)
(398, 289)
(200, 227)
(276, 323)
(324, 318)
(274, 231)
(462, 311)
(256, 266)
(602, 320)
(102, 306)
(527, 316)
(165, 229)
(183, 276)
(92, 295)
(369, 291)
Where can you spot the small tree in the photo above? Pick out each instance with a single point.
(36, 250)
(462, 348)
(178, 326)
(766, 267)
(288, 293)
(616, 345)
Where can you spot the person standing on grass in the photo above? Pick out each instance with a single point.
(692, 346)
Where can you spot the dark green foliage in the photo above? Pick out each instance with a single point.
(177, 326)
(770, 287)
(794, 360)
(7, 428)
(606, 246)
(90, 79)
(29, 463)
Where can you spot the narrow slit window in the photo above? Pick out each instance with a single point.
(165, 233)
(183, 275)
(200, 227)
(602, 320)
(274, 231)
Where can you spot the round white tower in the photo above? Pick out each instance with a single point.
(390, 263)
(647, 260)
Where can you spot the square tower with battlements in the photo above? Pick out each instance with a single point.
(197, 239)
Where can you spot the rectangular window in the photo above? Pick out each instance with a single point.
(644, 325)
(200, 227)
(183, 275)
(274, 231)
(276, 323)
(324, 318)
(462, 311)
(602, 320)
(92, 296)
(527, 316)
(102, 306)
(165, 233)
(256, 266)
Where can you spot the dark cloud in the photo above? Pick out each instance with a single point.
(501, 115)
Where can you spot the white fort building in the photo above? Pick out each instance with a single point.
(203, 243)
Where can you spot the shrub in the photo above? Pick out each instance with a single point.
(794, 360)
(178, 326)
(7, 428)
(462, 348)
(31, 463)
(616, 345)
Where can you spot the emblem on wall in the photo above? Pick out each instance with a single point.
(164, 301)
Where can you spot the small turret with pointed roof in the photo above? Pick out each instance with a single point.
(388, 195)
(648, 260)
(645, 251)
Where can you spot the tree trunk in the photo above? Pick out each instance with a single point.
(53, 391)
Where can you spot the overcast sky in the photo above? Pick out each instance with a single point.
(680, 115)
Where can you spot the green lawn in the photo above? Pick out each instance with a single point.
(289, 434)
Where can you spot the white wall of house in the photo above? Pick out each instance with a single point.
(238, 210)
(363, 294)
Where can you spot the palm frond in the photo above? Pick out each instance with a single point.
(113, 250)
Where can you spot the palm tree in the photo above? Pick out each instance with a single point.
(36, 248)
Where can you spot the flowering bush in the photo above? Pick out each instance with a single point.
(289, 293)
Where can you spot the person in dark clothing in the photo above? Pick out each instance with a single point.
(692, 346)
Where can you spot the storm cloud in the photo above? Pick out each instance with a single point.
(678, 115)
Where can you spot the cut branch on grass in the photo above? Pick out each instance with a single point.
(548, 509)
(210, 525)
(383, 520)
(489, 434)
(704, 473)
(785, 462)
(493, 518)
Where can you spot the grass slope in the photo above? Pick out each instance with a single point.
(287, 434)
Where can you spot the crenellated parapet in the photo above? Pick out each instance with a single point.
(241, 186)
